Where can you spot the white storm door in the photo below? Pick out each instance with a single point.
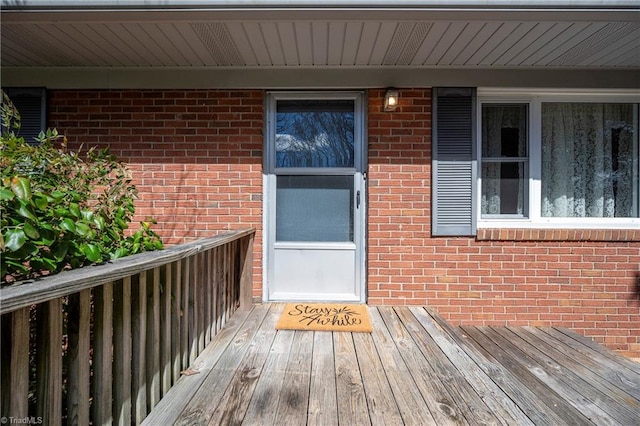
(315, 194)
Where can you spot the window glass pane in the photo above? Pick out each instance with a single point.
(504, 130)
(589, 160)
(503, 188)
(504, 136)
(315, 133)
(314, 208)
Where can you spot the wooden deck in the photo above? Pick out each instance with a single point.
(414, 369)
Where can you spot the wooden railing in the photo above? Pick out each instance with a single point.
(103, 344)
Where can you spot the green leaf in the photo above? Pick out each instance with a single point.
(60, 251)
(57, 195)
(44, 263)
(30, 231)
(91, 251)
(21, 187)
(17, 265)
(74, 208)
(100, 222)
(14, 239)
(6, 194)
(42, 202)
(87, 215)
(47, 236)
(82, 229)
(25, 211)
(121, 252)
(68, 225)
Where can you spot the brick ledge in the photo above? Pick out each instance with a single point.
(526, 234)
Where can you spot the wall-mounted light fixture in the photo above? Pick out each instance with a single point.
(391, 98)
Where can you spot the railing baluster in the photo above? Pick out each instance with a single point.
(207, 297)
(184, 320)
(123, 353)
(200, 300)
(193, 311)
(176, 321)
(77, 360)
(153, 338)
(15, 364)
(165, 329)
(139, 344)
(49, 362)
(217, 283)
(102, 354)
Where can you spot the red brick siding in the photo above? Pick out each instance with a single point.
(196, 155)
(589, 285)
(197, 161)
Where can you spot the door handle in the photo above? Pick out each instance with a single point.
(358, 200)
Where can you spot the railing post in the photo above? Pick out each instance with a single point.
(246, 272)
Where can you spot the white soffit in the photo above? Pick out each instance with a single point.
(496, 34)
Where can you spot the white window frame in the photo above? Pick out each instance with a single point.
(535, 99)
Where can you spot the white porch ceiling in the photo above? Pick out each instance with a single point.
(321, 37)
(329, 44)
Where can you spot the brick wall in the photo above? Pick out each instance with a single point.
(585, 280)
(197, 161)
(196, 155)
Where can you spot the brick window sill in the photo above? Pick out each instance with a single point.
(525, 234)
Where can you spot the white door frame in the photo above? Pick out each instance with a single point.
(359, 172)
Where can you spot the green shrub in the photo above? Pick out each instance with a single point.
(62, 210)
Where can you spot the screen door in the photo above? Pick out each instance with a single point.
(315, 195)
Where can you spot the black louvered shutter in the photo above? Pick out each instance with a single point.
(31, 104)
(454, 162)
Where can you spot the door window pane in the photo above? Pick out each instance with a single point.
(315, 133)
(589, 160)
(314, 208)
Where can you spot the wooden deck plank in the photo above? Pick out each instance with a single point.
(472, 407)
(628, 370)
(201, 407)
(352, 404)
(527, 401)
(412, 406)
(264, 402)
(525, 372)
(583, 380)
(294, 400)
(235, 401)
(563, 381)
(323, 402)
(171, 406)
(383, 408)
(434, 392)
(606, 353)
(499, 402)
(610, 375)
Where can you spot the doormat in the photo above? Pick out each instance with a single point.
(325, 317)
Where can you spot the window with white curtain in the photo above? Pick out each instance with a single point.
(561, 161)
(589, 160)
(505, 161)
